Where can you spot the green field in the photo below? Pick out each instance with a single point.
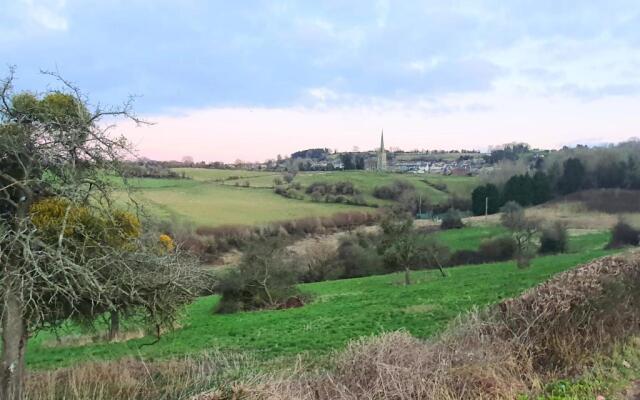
(213, 204)
(365, 181)
(225, 175)
(340, 311)
(218, 197)
(458, 185)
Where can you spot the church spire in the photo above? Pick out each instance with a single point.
(382, 155)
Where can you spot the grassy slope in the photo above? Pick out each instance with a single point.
(469, 238)
(366, 182)
(212, 204)
(458, 185)
(341, 310)
(211, 199)
(204, 174)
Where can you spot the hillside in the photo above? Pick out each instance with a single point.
(340, 311)
(237, 197)
(208, 203)
(435, 188)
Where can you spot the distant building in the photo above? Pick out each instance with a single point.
(382, 155)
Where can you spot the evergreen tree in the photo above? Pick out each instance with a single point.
(541, 188)
(573, 176)
(479, 202)
(519, 188)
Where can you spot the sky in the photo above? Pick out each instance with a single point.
(228, 80)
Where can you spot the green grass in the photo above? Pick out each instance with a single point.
(205, 174)
(211, 204)
(341, 310)
(366, 182)
(210, 198)
(459, 185)
(609, 376)
(469, 238)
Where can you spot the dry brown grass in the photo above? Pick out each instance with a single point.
(138, 380)
(551, 331)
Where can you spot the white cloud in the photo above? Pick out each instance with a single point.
(48, 14)
(322, 94)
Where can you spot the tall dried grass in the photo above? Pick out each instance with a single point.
(139, 380)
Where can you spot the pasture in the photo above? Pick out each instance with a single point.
(339, 311)
(238, 197)
(366, 182)
(212, 204)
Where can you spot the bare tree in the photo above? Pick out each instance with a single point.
(523, 229)
(78, 259)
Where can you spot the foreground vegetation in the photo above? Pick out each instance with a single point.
(340, 311)
(529, 347)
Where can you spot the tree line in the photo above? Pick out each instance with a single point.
(563, 173)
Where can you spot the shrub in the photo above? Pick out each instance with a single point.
(320, 262)
(502, 248)
(465, 257)
(265, 278)
(523, 230)
(393, 191)
(451, 220)
(288, 177)
(623, 234)
(358, 258)
(554, 239)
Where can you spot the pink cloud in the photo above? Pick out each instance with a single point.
(253, 134)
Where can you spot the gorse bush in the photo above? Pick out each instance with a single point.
(357, 257)
(393, 191)
(265, 278)
(452, 219)
(623, 234)
(502, 248)
(554, 238)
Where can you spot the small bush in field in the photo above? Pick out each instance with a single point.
(359, 258)
(465, 257)
(452, 220)
(289, 177)
(554, 239)
(393, 191)
(623, 234)
(502, 248)
(265, 279)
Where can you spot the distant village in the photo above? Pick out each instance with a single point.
(460, 163)
(444, 162)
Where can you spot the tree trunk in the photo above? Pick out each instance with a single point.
(407, 276)
(14, 341)
(114, 327)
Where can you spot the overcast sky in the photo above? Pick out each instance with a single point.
(226, 80)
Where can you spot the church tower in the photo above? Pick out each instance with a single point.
(382, 155)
